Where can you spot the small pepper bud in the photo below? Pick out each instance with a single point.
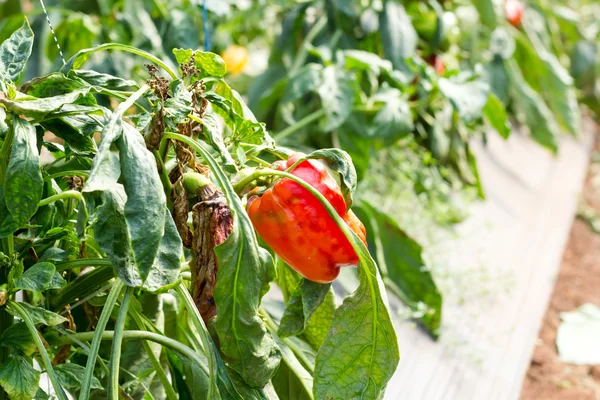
(196, 184)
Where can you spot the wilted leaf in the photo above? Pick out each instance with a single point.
(39, 315)
(304, 301)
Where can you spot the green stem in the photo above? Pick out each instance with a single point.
(135, 335)
(160, 372)
(164, 175)
(82, 262)
(300, 124)
(115, 353)
(67, 194)
(96, 338)
(22, 313)
(203, 332)
(83, 286)
(129, 49)
(310, 36)
(66, 173)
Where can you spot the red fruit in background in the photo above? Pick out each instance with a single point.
(514, 12)
(437, 64)
(297, 226)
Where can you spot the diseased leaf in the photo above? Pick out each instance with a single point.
(495, 113)
(398, 35)
(71, 375)
(18, 378)
(15, 51)
(39, 315)
(305, 300)
(400, 260)
(37, 278)
(23, 180)
(467, 98)
(337, 96)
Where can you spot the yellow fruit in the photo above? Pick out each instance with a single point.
(235, 57)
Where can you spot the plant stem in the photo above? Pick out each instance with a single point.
(160, 372)
(96, 338)
(115, 353)
(67, 194)
(66, 173)
(300, 124)
(82, 262)
(18, 309)
(135, 335)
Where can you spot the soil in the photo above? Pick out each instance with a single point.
(578, 283)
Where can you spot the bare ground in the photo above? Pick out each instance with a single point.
(578, 283)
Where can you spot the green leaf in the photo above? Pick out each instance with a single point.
(18, 378)
(305, 299)
(398, 35)
(400, 260)
(132, 227)
(499, 79)
(211, 130)
(37, 278)
(305, 80)
(208, 64)
(105, 81)
(545, 74)
(165, 270)
(487, 13)
(54, 84)
(38, 108)
(495, 113)
(318, 325)
(146, 201)
(71, 375)
(8, 225)
(364, 60)
(536, 114)
(23, 180)
(584, 58)
(18, 337)
(467, 98)
(340, 162)
(15, 51)
(394, 120)
(40, 315)
(337, 96)
(292, 381)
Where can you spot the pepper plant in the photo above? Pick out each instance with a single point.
(138, 268)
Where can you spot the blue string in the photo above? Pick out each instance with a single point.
(205, 23)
